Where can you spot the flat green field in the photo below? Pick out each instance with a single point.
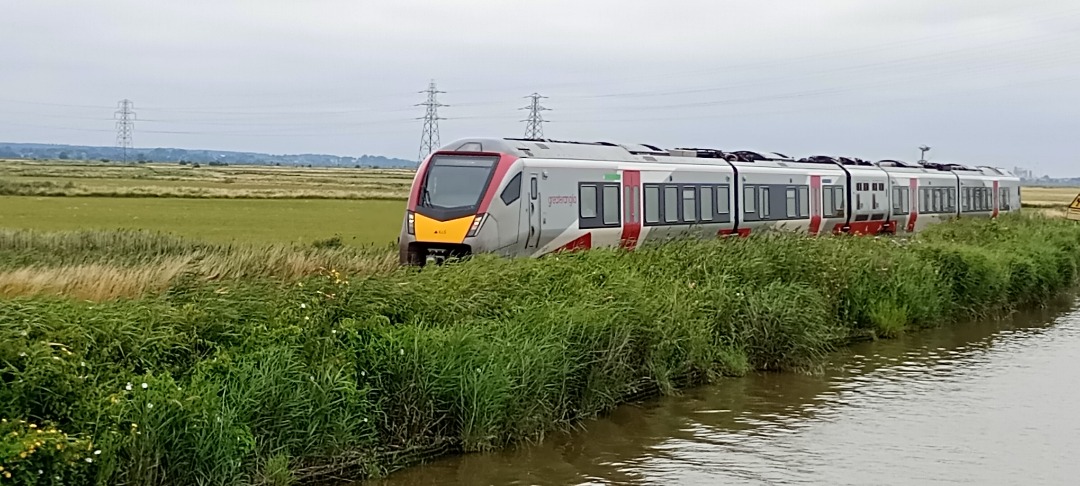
(356, 222)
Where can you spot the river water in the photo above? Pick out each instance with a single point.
(978, 403)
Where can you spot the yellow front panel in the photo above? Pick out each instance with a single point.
(452, 231)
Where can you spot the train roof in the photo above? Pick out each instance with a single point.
(564, 149)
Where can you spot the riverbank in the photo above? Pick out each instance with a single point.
(252, 380)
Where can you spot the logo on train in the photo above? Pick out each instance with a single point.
(557, 200)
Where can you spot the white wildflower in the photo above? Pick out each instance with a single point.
(149, 405)
(363, 373)
(145, 386)
(402, 352)
(89, 459)
(22, 355)
(303, 305)
(128, 387)
(97, 452)
(82, 363)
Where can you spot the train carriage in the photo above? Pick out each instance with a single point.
(919, 196)
(784, 194)
(520, 197)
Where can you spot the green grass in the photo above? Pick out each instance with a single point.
(257, 380)
(356, 222)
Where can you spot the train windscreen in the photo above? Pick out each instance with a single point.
(456, 181)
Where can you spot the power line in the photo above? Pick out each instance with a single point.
(429, 140)
(534, 129)
(125, 125)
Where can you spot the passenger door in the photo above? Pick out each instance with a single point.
(533, 239)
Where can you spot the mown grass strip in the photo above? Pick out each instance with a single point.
(254, 380)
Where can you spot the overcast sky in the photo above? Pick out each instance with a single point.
(981, 81)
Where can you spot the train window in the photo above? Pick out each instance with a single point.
(873, 201)
(833, 197)
(792, 202)
(858, 202)
(707, 203)
(750, 199)
(533, 192)
(652, 204)
(905, 200)
(512, 191)
(965, 199)
(765, 203)
(723, 198)
(924, 192)
(611, 204)
(587, 201)
(689, 201)
(952, 199)
(896, 201)
(804, 201)
(671, 204)
(1003, 196)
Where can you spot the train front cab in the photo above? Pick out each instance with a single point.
(458, 203)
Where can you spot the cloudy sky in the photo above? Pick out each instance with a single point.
(980, 81)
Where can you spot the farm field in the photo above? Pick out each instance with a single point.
(1048, 197)
(355, 222)
(55, 178)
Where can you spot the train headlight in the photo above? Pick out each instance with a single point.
(477, 222)
(411, 219)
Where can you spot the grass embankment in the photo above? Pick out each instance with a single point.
(256, 381)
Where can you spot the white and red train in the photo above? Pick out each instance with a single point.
(520, 197)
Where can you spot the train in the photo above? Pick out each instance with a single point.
(518, 197)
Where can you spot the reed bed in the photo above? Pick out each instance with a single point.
(254, 380)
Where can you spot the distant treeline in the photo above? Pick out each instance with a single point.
(113, 154)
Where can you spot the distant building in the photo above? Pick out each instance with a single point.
(1023, 174)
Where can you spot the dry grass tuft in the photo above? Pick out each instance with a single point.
(95, 282)
(109, 265)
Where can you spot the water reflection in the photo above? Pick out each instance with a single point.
(977, 403)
